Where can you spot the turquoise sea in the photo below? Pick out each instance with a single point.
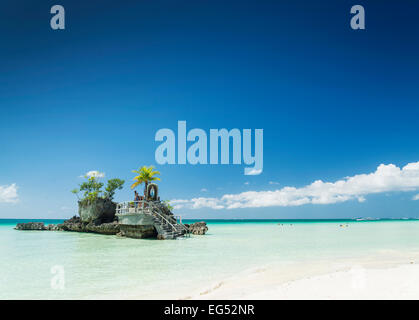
(110, 267)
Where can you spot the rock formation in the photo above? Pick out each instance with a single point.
(111, 228)
(73, 224)
(77, 224)
(197, 228)
(138, 232)
(31, 226)
(98, 212)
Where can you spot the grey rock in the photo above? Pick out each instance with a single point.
(104, 228)
(31, 226)
(138, 231)
(73, 224)
(197, 228)
(52, 227)
(77, 225)
(98, 212)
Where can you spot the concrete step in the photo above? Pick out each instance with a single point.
(171, 235)
(168, 231)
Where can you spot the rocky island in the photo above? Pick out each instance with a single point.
(113, 228)
(146, 217)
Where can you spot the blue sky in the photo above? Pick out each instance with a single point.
(333, 102)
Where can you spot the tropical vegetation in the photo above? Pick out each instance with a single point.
(92, 189)
(144, 175)
(167, 204)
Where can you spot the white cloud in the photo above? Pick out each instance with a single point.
(416, 197)
(361, 199)
(254, 172)
(247, 183)
(94, 173)
(386, 178)
(8, 194)
(204, 190)
(197, 203)
(273, 182)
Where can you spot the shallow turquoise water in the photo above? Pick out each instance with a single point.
(98, 266)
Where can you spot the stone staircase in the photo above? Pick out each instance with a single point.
(166, 225)
(166, 231)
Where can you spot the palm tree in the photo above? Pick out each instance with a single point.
(146, 175)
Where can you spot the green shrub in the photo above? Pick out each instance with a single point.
(167, 204)
(92, 189)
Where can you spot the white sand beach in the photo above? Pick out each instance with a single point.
(353, 281)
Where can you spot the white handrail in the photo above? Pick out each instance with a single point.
(143, 206)
(175, 229)
(181, 224)
(124, 207)
(161, 216)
